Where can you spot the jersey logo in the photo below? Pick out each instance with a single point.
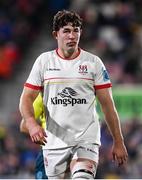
(67, 97)
(53, 69)
(105, 75)
(83, 69)
(68, 92)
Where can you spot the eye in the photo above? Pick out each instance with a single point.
(76, 30)
(66, 31)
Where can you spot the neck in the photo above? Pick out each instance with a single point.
(68, 54)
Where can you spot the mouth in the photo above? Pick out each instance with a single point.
(71, 44)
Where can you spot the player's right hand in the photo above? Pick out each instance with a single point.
(37, 133)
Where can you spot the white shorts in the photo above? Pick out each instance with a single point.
(57, 161)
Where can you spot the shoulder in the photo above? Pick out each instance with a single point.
(44, 57)
(46, 54)
(91, 56)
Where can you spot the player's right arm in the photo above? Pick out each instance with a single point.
(27, 98)
(38, 114)
(23, 127)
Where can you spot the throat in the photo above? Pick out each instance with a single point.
(69, 54)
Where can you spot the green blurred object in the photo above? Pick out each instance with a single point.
(2, 132)
(128, 101)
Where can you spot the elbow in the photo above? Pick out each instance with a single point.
(20, 105)
(23, 128)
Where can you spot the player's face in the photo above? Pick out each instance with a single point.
(68, 38)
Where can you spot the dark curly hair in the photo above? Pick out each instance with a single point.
(62, 18)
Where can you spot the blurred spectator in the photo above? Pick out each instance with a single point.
(17, 153)
(9, 56)
(20, 24)
(6, 28)
(112, 30)
(133, 139)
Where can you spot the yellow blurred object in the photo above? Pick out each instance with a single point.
(39, 110)
(112, 176)
(2, 132)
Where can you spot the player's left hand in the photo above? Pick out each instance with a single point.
(119, 152)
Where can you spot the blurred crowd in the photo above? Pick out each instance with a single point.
(18, 153)
(20, 24)
(113, 31)
(107, 169)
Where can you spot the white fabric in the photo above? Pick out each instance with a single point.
(82, 175)
(57, 161)
(69, 96)
(78, 168)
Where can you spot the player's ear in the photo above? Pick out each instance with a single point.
(54, 33)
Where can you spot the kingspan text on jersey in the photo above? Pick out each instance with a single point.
(66, 101)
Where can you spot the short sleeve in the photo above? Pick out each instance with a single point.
(102, 79)
(35, 79)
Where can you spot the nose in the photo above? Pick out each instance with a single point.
(72, 35)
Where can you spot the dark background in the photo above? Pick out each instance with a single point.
(112, 30)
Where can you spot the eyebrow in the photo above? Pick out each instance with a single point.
(66, 28)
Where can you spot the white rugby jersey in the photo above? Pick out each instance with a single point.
(69, 96)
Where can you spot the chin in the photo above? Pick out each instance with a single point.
(71, 50)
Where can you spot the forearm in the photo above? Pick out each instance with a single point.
(119, 151)
(110, 113)
(23, 127)
(26, 107)
(27, 111)
(113, 123)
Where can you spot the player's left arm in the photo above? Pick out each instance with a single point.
(112, 119)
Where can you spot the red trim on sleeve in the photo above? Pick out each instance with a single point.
(33, 86)
(103, 86)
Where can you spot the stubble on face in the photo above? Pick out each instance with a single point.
(68, 38)
(71, 50)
